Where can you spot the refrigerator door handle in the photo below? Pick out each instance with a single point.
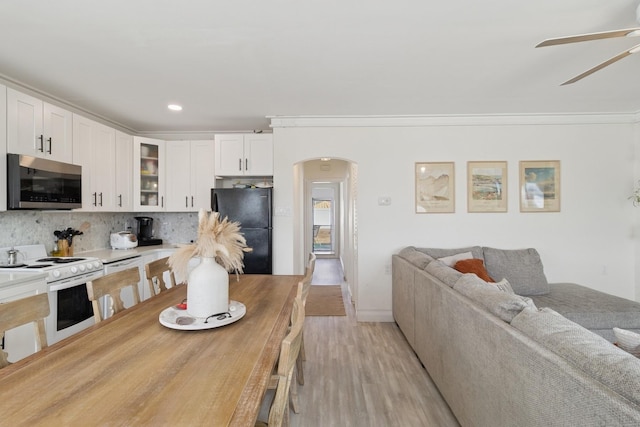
(214, 203)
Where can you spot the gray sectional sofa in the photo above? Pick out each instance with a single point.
(541, 355)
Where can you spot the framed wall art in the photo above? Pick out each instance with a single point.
(540, 186)
(487, 186)
(435, 187)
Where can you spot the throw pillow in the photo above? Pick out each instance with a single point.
(505, 286)
(628, 341)
(475, 266)
(522, 268)
(451, 260)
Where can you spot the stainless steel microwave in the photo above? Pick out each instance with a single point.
(34, 183)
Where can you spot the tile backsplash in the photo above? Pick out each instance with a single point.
(32, 227)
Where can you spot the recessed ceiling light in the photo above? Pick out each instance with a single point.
(174, 107)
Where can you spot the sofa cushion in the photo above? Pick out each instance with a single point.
(521, 267)
(502, 304)
(587, 351)
(440, 253)
(590, 308)
(446, 274)
(475, 266)
(415, 257)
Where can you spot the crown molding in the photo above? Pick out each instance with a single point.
(454, 120)
(51, 99)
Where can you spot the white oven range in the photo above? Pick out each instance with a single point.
(71, 311)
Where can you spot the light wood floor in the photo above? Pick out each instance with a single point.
(327, 271)
(364, 374)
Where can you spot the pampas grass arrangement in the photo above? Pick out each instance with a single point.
(219, 239)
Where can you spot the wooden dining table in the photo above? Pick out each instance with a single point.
(130, 370)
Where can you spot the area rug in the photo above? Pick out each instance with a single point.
(325, 300)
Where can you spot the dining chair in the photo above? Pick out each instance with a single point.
(311, 264)
(111, 285)
(282, 380)
(155, 271)
(33, 309)
(308, 276)
(306, 286)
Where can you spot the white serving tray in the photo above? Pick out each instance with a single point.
(176, 318)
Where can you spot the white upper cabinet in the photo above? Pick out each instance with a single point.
(124, 172)
(258, 151)
(103, 168)
(95, 149)
(37, 128)
(149, 174)
(202, 173)
(178, 175)
(190, 175)
(229, 154)
(244, 154)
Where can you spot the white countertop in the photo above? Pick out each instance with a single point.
(8, 278)
(113, 255)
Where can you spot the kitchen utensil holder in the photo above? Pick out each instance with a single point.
(65, 249)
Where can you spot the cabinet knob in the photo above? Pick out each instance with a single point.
(41, 138)
(186, 201)
(120, 200)
(95, 199)
(50, 143)
(240, 165)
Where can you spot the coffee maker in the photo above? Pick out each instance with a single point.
(145, 232)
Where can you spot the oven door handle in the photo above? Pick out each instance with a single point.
(74, 281)
(64, 284)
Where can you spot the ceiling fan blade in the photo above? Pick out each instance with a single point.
(606, 63)
(629, 32)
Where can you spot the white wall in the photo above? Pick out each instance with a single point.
(590, 241)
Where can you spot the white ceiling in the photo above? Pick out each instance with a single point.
(232, 63)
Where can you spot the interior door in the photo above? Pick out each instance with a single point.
(323, 226)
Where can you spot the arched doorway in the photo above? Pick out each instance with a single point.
(328, 206)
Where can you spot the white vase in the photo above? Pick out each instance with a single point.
(207, 289)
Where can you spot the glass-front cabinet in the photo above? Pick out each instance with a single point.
(149, 173)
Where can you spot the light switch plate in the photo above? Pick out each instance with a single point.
(283, 211)
(384, 201)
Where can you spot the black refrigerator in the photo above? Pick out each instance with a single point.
(251, 207)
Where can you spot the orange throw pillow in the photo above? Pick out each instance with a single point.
(475, 266)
